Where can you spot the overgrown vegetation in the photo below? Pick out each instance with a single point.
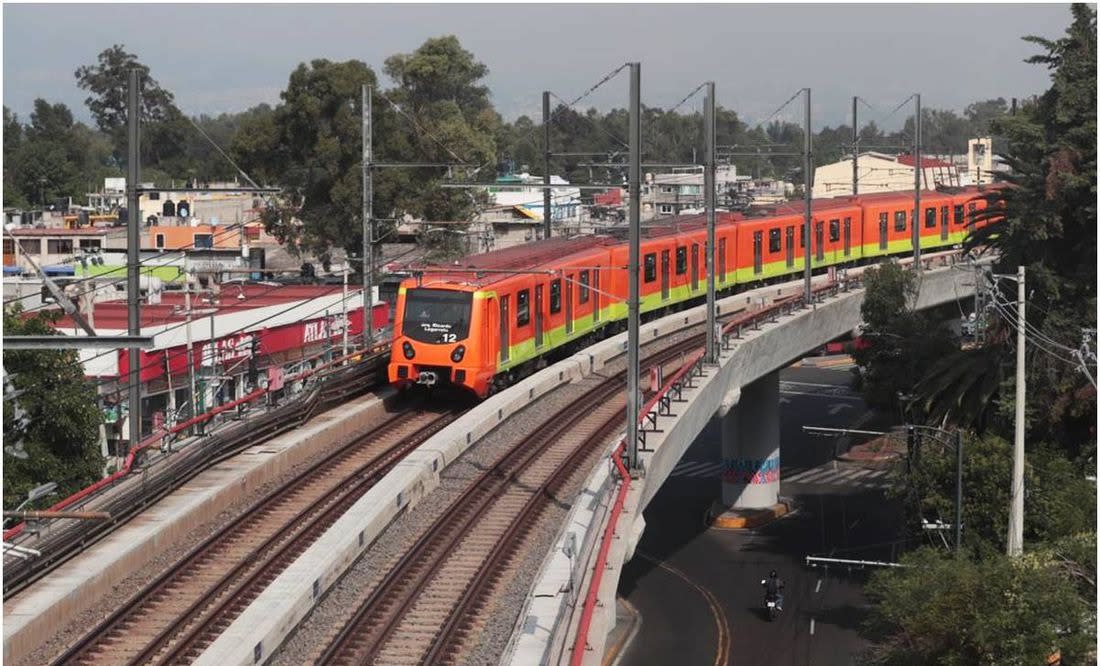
(982, 607)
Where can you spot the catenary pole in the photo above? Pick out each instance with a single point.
(916, 188)
(855, 147)
(807, 186)
(632, 350)
(133, 254)
(708, 180)
(368, 223)
(1016, 515)
(547, 214)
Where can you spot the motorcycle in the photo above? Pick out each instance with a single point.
(771, 603)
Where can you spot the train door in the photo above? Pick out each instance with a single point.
(847, 236)
(757, 252)
(943, 222)
(596, 294)
(819, 241)
(505, 320)
(790, 247)
(721, 259)
(664, 274)
(883, 230)
(694, 266)
(538, 315)
(569, 303)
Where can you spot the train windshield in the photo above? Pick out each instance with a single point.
(437, 315)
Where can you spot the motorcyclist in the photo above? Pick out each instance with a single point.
(773, 585)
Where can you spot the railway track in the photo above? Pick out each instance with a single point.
(429, 603)
(180, 612)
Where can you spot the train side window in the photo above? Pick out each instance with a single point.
(583, 293)
(775, 240)
(555, 296)
(929, 218)
(523, 307)
(959, 219)
(899, 221)
(651, 267)
(681, 260)
(834, 231)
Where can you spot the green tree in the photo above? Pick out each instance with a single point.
(1059, 502)
(60, 431)
(13, 141)
(1046, 221)
(108, 83)
(903, 341)
(943, 610)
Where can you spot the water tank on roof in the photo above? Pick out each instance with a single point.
(183, 208)
(169, 208)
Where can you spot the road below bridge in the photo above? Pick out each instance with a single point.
(697, 590)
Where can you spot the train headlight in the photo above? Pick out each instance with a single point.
(458, 353)
(407, 350)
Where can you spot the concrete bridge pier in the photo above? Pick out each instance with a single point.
(750, 453)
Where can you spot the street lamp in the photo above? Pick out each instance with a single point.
(916, 434)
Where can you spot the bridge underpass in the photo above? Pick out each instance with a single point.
(576, 591)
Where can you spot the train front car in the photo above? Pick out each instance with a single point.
(437, 337)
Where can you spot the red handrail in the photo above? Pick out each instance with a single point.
(589, 608)
(128, 464)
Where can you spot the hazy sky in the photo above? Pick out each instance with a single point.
(218, 58)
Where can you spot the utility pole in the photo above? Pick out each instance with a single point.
(958, 492)
(708, 184)
(368, 223)
(807, 186)
(1016, 514)
(632, 351)
(916, 189)
(547, 214)
(133, 255)
(855, 147)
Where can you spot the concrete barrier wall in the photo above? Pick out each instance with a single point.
(539, 636)
(36, 613)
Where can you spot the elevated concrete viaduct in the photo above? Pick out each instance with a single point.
(742, 389)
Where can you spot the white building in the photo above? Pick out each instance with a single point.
(880, 172)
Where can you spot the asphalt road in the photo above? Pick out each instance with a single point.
(698, 590)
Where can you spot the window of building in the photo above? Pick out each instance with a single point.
(667, 189)
(834, 231)
(582, 295)
(775, 240)
(690, 189)
(929, 218)
(160, 241)
(555, 296)
(9, 247)
(959, 219)
(201, 241)
(30, 245)
(59, 246)
(681, 260)
(666, 209)
(89, 243)
(523, 307)
(154, 196)
(899, 221)
(651, 267)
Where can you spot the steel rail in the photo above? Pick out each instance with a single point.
(220, 538)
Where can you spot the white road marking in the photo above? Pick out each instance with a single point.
(811, 626)
(817, 590)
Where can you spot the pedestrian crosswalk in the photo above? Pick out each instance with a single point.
(825, 475)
